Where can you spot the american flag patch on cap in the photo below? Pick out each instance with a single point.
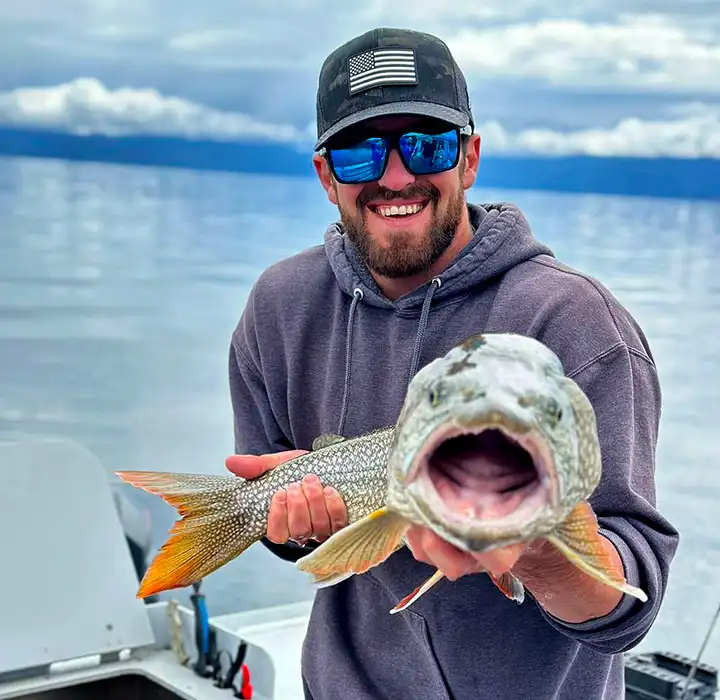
(378, 67)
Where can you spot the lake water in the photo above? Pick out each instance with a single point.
(120, 287)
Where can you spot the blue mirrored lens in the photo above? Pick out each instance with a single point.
(424, 154)
(429, 153)
(363, 162)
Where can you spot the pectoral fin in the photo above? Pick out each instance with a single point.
(408, 600)
(579, 540)
(510, 586)
(356, 548)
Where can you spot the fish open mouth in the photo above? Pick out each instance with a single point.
(491, 474)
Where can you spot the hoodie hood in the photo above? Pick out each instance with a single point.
(502, 240)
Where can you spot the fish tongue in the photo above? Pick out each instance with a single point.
(470, 504)
(483, 477)
(484, 473)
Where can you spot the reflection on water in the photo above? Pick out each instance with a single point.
(120, 286)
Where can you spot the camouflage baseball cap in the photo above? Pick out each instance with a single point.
(390, 72)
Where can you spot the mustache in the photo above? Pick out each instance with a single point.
(374, 193)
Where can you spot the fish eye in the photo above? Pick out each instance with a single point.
(434, 396)
(554, 411)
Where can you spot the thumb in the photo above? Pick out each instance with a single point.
(252, 466)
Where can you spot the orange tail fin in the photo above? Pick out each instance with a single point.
(210, 532)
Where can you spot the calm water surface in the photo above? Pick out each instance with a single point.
(120, 287)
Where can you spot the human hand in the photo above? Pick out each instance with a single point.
(556, 584)
(304, 510)
(428, 547)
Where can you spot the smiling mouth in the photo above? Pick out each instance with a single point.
(489, 475)
(398, 211)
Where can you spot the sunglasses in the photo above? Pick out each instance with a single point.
(421, 152)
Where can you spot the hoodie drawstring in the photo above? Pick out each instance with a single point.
(357, 296)
(422, 327)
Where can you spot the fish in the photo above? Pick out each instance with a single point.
(490, 386)
(494, 446)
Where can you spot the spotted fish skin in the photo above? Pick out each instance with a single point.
(223, 515)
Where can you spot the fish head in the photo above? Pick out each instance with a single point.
(487, 448)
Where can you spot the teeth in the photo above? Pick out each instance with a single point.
(402, 210)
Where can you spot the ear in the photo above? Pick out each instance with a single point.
(325, 176)
(472, 161)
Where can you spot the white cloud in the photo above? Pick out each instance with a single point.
(490, 40)
(655, 44)
(696, 135)
(86, 106)
(641, 51)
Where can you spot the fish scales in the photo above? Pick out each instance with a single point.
(355, 467)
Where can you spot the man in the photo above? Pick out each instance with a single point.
(328, 342)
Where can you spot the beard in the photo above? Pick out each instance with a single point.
(404, 255)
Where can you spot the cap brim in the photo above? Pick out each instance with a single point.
(420, 109)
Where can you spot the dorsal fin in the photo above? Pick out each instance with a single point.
(325, 440)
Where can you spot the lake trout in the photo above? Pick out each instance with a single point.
(494, 446)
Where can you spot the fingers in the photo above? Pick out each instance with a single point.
(277, 525)
(252, 466)
(318, 517)
(299, 523)
(413, 537)
(305, 510)
(427, 547)
(449, 559)
(336, 509)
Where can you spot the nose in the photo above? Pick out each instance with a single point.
(396, 176)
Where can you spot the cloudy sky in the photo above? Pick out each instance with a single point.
(603, 77)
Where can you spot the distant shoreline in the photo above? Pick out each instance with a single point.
(653, 177)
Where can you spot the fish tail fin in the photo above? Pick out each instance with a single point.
(210, 532)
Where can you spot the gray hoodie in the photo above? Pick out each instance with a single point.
(320, 349)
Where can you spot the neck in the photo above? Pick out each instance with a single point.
(395, 287)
